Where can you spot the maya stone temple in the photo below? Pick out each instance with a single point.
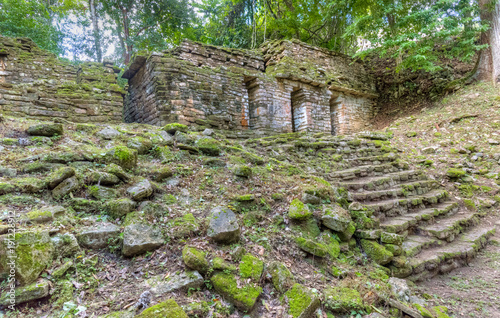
(285, 86)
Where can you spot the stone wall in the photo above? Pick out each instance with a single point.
(284, 86)
(35, 83)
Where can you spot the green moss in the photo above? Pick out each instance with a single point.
(347, 234)
(242, 171)
(184, 226)
(377, 252)
(168, 308)
(423, 311)
(195, 259)
(243, 297)
(469, 204)
(251, 267)
(39, 216)
(298, 210)
(281, 277)
(208, 146)
(308, 228)
(454, 173)
(301, 301)
(174, 127)
(440, 312)
(332, 245)
(6, 188)
(277, 196)
(343, 300)
(411, 134)
(221, 265)
(312, 247)
(122, 156)
(245, 198)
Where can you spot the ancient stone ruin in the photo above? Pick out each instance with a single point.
(284, 86)
(35, 83)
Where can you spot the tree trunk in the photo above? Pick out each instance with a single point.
(97, 34)
(126, 31)
(489, 59)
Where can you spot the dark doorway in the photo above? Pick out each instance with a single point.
(334, 113)
(297, 98)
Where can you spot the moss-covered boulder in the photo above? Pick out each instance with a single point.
(346, 235)
(343, 300)
(29, 185)
(332, 245)
(140, 144)
(377, 252)
(6, 188)
(102, 178)
(302, 302)
(141, 190)
(65, 245)
(454, 173)
(183, 226)
(24, 294)
(312, 247)
(391, 238)
(174, 127)
(98, 236)
(336, 218)
(223, 227)
(102, 193)
(58, 176)
(298, 211)
(119, 208)
(208, 146)
(122, 156)
(220, 264)
(162, 173)
(33, 250)
(281, 277)
(47, 130)
(308, 228)
(242, 171)
(168, 308)
(243, 297)
(66, 187)
(251, 267)
(195, 259)
(118, 171)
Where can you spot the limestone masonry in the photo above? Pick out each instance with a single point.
(282, 87)
(35, 83)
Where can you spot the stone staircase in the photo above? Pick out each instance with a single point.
(439, 234)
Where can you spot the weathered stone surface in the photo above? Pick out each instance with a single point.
(66, 187)
(162, 174)
(223, 227)
(195, 259)
(46, 214)
(122, 156)
(119, 208)
(310, 199)
(7, 172)
(298, 210)
(243, 297)
(102, 193)
(142, 145)
(281, 276)
(103, 178)
(400, 289)
(33, 250)
(312, 247)
(58, 176)
(24, 294)
(118, 171)
(336, 218)
(108, 133)
(343, 300)
(391, 238)
(377, 252)
(140, 191)
(47, 130)
(302, 302)
(65, 245)
(251, 267)
(168, 308)
(242, 171)
(182, 281)
(97, 236)
(140, 238)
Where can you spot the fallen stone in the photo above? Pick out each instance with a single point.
(311, 199)
(391, 238)
(298, 211)
(183, 226)
(400, 289)
(97, 236)
(251, 267)
(119, 208)
(108, 133)
(140, 191)
(58, 176)
(168, 308)
(377, 252)
(33, 250)
(47, 130)
(118, 171)
(122, 156)
(302, 302)
(281, 277)
(103, 178)
(243, 297)
(65, 188)
(8, 172)
(336, 218)
(343, 300)
(208, 132)
(312, 247)
(174, 127)
(102, 193)
(161, 174)
(242, 171)
(24, 294)
(61, 270)
(140, 238)
(142, 145)
(223, 227)
(65, 245)
(195, 259)
(180, 281)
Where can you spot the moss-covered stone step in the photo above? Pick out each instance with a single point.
(364, 171)
(387, 181)
(443, 259)
(406, 205)
(351, 153)
(372, 160)
(448, 228)
(404, 222)
(398, 191)
(413, 244)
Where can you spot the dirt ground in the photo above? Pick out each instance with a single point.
(472, 291)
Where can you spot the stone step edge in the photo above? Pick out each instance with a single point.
(400, 188)
(380, 180)
(454, 228)
(414, 201)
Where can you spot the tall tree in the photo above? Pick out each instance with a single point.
(147, 24)
(489, 61)
(95, 28)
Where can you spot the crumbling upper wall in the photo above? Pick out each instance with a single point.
(35, 83)
(299, 61)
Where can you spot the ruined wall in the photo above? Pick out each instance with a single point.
(35, 83)
(283, 87)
